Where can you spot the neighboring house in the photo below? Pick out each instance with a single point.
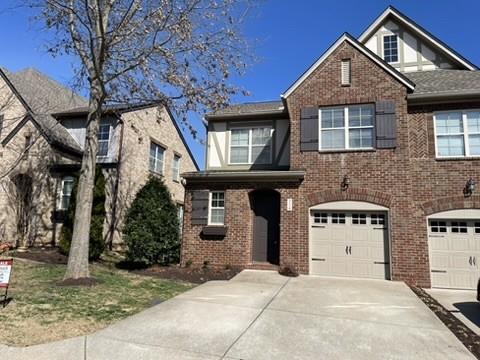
(364, 168)
(42, 134)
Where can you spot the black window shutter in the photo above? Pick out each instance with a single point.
(309, 129)
(200, 207)
(385, 125)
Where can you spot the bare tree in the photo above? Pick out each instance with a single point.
(178, 53)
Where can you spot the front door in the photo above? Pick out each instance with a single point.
(266, 226)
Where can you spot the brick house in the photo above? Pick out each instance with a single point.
(42, 132)
(365, 167)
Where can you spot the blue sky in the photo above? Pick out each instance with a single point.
(289, 35)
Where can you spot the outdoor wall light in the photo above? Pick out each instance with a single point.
(345, 183)
(469, 187)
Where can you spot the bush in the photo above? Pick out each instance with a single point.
(97, 242)
(151, 230)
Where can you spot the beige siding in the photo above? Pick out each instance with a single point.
(414, 53)
(218, 147)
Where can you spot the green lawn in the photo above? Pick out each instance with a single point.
(42, 311)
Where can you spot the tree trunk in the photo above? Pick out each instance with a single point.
(78, 255)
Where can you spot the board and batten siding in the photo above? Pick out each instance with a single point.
(218, 146)
(413, 53)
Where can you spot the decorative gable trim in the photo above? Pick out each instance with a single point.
(414, 27)
(360, 47)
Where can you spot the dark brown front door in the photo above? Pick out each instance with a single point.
(266, 226)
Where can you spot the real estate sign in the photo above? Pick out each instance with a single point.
(5, 271)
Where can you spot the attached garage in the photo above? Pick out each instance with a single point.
(349, 238)
(454, 248)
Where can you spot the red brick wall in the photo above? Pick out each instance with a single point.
(235, 248)
(407, 179)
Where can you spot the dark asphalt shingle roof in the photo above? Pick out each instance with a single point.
(445, 81)
(45, 96)
(273, 106)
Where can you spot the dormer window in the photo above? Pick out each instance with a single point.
(390, 48)
(103, 139)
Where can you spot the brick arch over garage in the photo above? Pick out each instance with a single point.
(450, 203)
(351, 194)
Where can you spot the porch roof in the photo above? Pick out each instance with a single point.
(244, 176)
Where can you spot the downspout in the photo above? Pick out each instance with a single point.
(116, 189)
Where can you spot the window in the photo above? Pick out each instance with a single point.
(438, 226)
(349, 127)
(251, 146)
(346, 72)
(103, 139)
(359, 219)
(457, 133)
(390, 48)
(338, 218)
(216, 213)
(459, 227)
(65, 192)
(377, 219)
(176, 168)
(320, 218)
(477, 228)
(157, 154)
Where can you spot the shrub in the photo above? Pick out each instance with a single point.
(151, 230)
(97, 242)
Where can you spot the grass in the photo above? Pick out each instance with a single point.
(41, 311)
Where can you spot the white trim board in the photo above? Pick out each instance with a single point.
(348, 38)
(397, 15)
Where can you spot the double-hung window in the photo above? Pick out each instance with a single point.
(251, 145)
(390, 48)
(65, 192)
(216, 209)
(346, 127)
(157, 154)
(176, 168)
(457, 133)
(103, 139)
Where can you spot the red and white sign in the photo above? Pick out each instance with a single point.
(5, 271)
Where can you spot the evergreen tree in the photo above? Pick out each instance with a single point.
(151, 230)
(97, 242)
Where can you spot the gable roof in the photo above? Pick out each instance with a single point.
(346, 37)
(50, 128)
(419, 30)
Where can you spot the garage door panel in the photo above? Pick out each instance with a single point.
(350, 243)
(454, 253)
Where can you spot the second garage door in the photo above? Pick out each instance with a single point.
(454, 252)
(349, 243)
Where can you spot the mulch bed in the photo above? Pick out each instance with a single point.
(43, 255)
(192, 275)
(463, 333)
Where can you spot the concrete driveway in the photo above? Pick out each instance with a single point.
(261, 315)
(461, 303)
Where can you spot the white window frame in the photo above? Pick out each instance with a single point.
(61, 193)
(398, 49)
(346, 128)
(210, 207)
(465, 134)
(107, 141)
(156, 158)
(250, 145)
(176, 169)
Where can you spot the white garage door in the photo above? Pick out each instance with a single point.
(454, 252)
(349, 243)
